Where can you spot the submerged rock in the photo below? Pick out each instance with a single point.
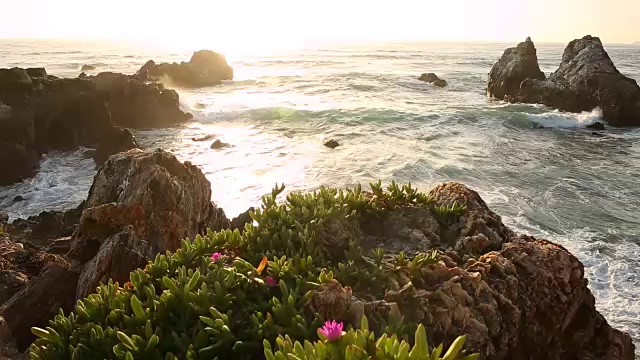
(585, 79)
(217, 145)
(87, 68)
(596, 126)
(432, 78)
(332, 144)
(206, 68)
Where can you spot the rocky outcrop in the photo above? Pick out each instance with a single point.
(140, 204)
(206, 68)
(87, 68)
(516, 297)
(19, 263)
(136, 104)
(586, 79)
(516, 65)
(39, 302)
(432, 78)
(39, 112)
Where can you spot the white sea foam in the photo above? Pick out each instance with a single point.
(559, 119)
(581, 193)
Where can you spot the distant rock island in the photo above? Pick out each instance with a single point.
(586, 79)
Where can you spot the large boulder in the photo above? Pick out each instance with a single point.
(586, 79)
(206, 68)
(141, 203)
(516, 64)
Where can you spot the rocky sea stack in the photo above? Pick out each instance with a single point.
(206, 68)
(586, 79)
(384, 260)
(40, 112)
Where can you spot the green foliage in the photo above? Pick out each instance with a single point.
(362, 344)
(446, 213)
(186, 306)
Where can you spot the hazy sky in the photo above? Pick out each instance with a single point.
(277, 22)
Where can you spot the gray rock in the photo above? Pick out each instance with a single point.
(432, 78)
(585, 79)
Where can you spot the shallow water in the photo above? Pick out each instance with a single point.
(558, 182)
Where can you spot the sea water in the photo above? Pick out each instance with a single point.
(539, 168)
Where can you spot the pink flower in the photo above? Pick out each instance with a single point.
(332, 330)
(215, 256)
(271, 281)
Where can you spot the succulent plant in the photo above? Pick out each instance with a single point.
(233, 295)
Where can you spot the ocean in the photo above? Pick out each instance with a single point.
(541, 169)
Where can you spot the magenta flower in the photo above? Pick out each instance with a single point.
(332, 330)
(271, 281)
(215, 256)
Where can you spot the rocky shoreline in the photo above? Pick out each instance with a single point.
(515, 296)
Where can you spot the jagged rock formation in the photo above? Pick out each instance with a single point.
(585, 79)
(206, 68)
(39, 112)
(141, 203)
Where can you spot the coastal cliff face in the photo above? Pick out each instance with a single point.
(39, 112)
(585, 79)
(516, 297)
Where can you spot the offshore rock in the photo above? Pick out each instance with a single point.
(586, 79)
(206, 68)
(432, 78)
(516, 65)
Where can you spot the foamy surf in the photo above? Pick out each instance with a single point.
(559, 119)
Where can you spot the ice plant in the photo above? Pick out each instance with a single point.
(215, 256)
(331, 330)
(271, 281)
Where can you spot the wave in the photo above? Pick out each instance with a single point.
(552, 118)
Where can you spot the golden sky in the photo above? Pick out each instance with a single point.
(293, 22)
